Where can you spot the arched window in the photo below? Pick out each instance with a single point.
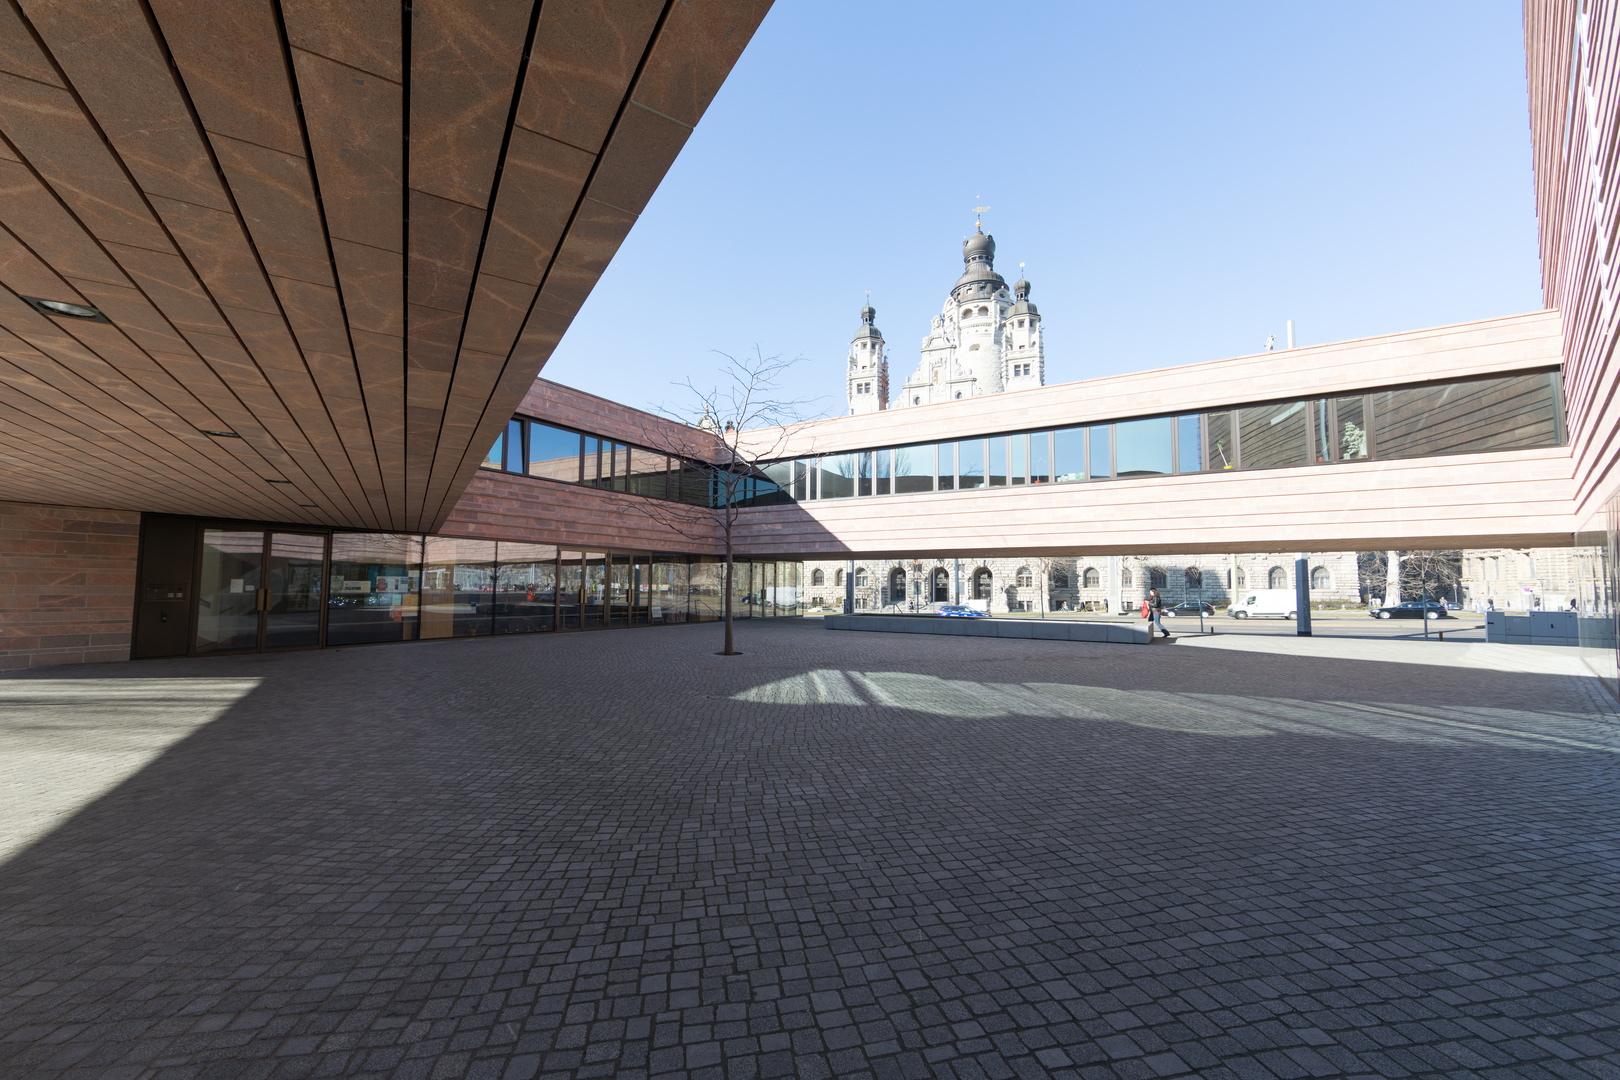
(982, 582)
(1194, 576)
(897, 585)
(860, 577)
(984, 311)
(1025, 578)
(1060, 580)
(1156, 578)
(959, 393)
(838, 578)
(1125, 579)
(1092, 579)
(1321, 579)
(1243, 580)
(942, 586)
(1278, 578)
(819, 577)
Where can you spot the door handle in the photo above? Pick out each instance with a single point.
(264, 599)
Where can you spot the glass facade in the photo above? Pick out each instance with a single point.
(1512, 412)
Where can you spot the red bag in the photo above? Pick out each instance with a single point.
(1145, 609)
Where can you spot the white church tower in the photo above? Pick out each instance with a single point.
(868, 379)
(982, 341)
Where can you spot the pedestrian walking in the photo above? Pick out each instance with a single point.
(1155, 605)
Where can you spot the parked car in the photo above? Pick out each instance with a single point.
(1190, 608)
(961, 611)
(1412, 609)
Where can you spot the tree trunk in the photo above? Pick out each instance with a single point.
(730, 564)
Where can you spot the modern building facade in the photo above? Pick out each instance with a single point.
(267, 367)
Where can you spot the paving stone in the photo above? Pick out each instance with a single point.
(616, 854)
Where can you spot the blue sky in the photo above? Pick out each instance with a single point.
(1181, 179)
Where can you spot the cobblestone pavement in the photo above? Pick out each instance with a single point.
(839, 855)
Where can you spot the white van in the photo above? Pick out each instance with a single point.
(1264, 602)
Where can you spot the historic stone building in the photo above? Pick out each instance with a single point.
(1071, 584)
(1525, 579)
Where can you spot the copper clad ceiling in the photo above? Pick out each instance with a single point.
(348, 232)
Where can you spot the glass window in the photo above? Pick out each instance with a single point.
(706, 599)
(1189, 443)
(1040, 457)
(913, 469)
(593, 608)
(837, 476)
(1018, 458)
(228, 602)
(514, 446)
(998, 461)
(1101, 464)
(1321, 431)
(591, 461)
(618, 594)
(1272, 435)
(1069, 454)
(1509, 413)
(786, 595)
(458, 587)
(864, 463)
(1142, 447)
(946, 470)
(492, 459)
(376, 585)
(801, 480)
(692, 484)
(1222, 449)
(615, 465)
(1350, 423)
(885, 467)
(970, 463)
(525, 588)
(666, 602)
(780, 474)
(570, 584)
(649, 474)
(553, 453)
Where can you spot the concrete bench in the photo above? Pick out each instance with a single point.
(1117, 633)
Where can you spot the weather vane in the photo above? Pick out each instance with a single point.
(978, 216)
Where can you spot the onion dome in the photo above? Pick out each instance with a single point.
(979, 255)
(1021, 290)
(867, 330)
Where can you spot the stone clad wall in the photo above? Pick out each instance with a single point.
(67, 584)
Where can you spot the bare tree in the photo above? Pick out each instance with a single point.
(1431, 573)
(736, 428)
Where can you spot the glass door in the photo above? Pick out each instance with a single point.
(293, 595)
(619, 590)
(259, 590)
(640, 591)
(594, 614)
(570, 585)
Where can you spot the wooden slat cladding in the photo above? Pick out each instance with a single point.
(349, 233)
(1575, 136)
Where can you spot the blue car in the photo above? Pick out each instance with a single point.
(961, 611)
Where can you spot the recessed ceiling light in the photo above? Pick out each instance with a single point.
(310, 506)
(275, 481)
(220, 434)
(65, 309)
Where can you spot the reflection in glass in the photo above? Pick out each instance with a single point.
(496, 453)
(1273, 435)
(649, 474)
(1512, 413)
(458, 587)
(998, 461)
(970, 463)
(1040, 457)
(570, 586)
(514, 446)
(837, 476)
(640, 590)
(885, 466)
(801, 480)
(616, 465)
(666, 602)
(1222, 449)
(1350, 419)
(619, 591)
(1018, 458)
(914, 469)
(590, 462)
(945, 472)
(553, 453)
(1189, 443)
(1100, 464)
(292, 617)
(375, 588)
(593, 612)
(865, 464)
(786, 596)
(704, 599)
(1321, 431)
(1142, 447)
(525, 588)
(228, 596)
(1069, 454)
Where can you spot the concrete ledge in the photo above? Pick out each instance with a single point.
(1117, 633)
